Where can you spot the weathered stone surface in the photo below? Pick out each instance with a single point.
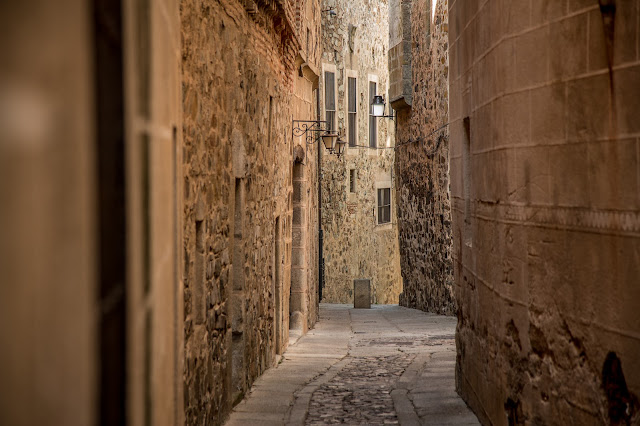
(355, 44)
(400, 54)
(422, 159)
(362, 294)
(546, 210)
(241, 85)
(385, 365)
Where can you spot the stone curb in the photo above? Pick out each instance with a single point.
(404, 407)
(300, 409)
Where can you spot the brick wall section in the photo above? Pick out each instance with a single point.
(422, 168)
(239, 77)
(546, 202)
(355, 246)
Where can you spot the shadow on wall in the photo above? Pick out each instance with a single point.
(623, 405)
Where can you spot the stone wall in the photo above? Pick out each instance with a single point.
(147, 229)
(422, 161)
(355, 43)
(400, 46)
(545, 174)
(47, 218)
(243, 79)
(152, 95)
(89, 149)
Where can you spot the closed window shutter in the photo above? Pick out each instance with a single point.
(352, 112)
(330, 99)
(373, 124)
(387, 205)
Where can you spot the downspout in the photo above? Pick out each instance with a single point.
(320, 232)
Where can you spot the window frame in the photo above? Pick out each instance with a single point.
(330, 68)
(353, 180)
(373, 123)
(379, 204)
(351, 74)
(373, 150)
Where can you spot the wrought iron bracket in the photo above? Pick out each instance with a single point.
(310, 129)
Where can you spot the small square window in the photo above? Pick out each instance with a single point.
(352, 180)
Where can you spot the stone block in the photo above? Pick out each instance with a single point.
(484, 30)
(627, 92)
(482, 128)
(529, 178)
(544, 11)
(597, 47)
(516, 15)
(575, 5)
(547, 116)
(517, 113)
(588, 108)
(532, 56)
(569, 57)
(299, 191)
(506, 66)
(299, 215)
(612, 165)
(569, 175)
(362, 294)
(626, 32)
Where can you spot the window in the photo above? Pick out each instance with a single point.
(373, 123)
(384, 205)
(352, 180)
(352, 112)
(330, 99)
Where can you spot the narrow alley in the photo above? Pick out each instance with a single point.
(379, 366)
(362, 212)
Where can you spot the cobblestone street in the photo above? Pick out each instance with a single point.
(386, 365)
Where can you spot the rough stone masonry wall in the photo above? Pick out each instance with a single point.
(545, 156)
(356, 39)
(305, 107)
(238, 64)
(422, 168)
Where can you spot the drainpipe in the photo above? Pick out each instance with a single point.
(320, 232)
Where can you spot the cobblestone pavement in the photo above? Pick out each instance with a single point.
(385, 365)
(360, 393)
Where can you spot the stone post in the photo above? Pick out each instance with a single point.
(362, 294)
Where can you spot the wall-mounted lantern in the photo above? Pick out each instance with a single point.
(329, 140)
(378, 105)
(339, 149)
(313, 131)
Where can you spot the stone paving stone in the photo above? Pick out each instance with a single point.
(360, 393)
(384, 366)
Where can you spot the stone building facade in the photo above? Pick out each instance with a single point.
(90, 148)
(159, 219)
(419, 68)
(250, 242)
(358, 189)
(545, 173)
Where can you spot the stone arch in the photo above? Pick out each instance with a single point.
(298, 293)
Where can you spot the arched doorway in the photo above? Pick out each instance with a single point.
(298, 296)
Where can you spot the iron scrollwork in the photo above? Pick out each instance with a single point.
(311, 130)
